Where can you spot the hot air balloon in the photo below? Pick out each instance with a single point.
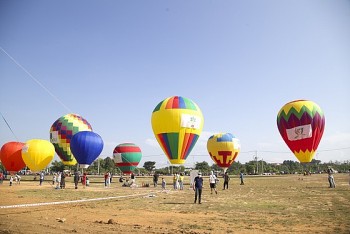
(126, 157)
(177, 123)
(86, 146)
(11, 156)
(223, 149)
(61, 133)
(301, 124)
(37, 154)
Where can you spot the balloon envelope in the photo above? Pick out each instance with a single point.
(126, 157)
(177, 123)
(223, 149)
(301, 124)
(11, 156)
(37, 154)
(61, 133)
(86, 146)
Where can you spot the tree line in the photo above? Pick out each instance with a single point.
(101, 166)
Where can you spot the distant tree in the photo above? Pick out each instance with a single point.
(180, 169)
(107, 165)
(250, 168)
(141, 171)
(215, 167)
(163, 171)
(149, 166)
(95, 167)
(203, 167)
(292, 166)
(236, 168)
(57, 166)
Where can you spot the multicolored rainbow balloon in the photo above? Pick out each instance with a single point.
(223, 149)
(61, 133)
(126, 157)
(301, 124)
(177, 123)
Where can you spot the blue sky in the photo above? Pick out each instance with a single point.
(113, 61)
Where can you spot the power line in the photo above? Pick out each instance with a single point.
(36, 80)
(8, 125)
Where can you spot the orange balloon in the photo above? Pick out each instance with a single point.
(11, 156)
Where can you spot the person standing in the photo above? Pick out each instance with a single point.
(163, 184)
(108, 181)
(63, 180)
(106, 178)
(330, 172)
(226, 180)
(197, 187)
(41, 178)
(155, 179)
(133, 180)
(181, 181)
(18, 179)
(1, 177)
(175, 181)
(83, 181)
(76, 179)
(54, 179)
(212, 181)
(58, 180)
(241, 176)
(11, 180)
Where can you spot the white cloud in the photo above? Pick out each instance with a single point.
(337, 140)
(152, 142)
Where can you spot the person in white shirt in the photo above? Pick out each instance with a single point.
(212, 181)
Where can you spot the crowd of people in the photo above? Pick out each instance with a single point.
(59, 181)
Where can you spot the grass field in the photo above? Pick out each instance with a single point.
(265, 204)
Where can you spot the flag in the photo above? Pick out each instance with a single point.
(299, 133)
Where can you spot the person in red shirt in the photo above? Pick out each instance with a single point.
(83, 180)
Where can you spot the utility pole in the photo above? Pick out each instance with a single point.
(262, 166)
(256, 162)
(98, 167)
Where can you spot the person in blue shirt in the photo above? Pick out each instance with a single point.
(197, 187)
(241, 176)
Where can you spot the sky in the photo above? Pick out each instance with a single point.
(112, 62)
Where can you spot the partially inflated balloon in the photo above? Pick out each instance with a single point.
(126, 157)
(11, 156)
(223, 149)
(61, 133)
(86, 146)
(37, 154)
(301, 124)
(177, 123)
